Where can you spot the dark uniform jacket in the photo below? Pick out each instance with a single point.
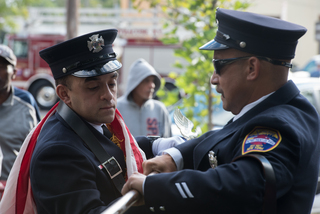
(64, 173)
(284, 128)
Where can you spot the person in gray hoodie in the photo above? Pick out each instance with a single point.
(142, 114)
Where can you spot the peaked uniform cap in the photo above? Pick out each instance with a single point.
(84, 56)
(256, 34)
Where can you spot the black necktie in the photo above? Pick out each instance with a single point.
(106, 131)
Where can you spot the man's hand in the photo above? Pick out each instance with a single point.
(159, 164)
(135, 182)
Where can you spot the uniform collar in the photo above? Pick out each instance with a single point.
(250, 106)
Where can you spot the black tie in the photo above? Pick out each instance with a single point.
(106, 131)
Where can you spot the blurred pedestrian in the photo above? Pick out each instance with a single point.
(266, 159)
(142, 114)
(18, 112)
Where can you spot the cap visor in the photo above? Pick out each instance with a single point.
(213, 45)
(109, 67)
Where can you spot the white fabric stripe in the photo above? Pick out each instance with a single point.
(180, 190)
(186, 189)
(131, 162)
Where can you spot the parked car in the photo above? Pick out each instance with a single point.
(310, 88)
(313, 66)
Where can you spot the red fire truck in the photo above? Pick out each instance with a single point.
(33, 73)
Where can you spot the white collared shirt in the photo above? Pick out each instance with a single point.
(97, 127)
(250, 106)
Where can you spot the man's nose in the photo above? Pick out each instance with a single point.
(214, 78)
(107, 93)
(151, 84)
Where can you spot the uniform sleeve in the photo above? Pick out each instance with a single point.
(232, 187)
(224, 190)
(64, 181)
(145, 145)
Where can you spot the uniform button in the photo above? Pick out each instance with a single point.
(243, 44)
(151, 209)
(162, 208)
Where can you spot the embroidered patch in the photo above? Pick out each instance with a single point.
(261, 139)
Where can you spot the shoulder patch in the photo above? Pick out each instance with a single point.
(261, 139)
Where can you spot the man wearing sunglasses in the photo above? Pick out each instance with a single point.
(266, 159)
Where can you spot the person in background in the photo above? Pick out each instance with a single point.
(266, 159)
(142, 114)
(19, 112)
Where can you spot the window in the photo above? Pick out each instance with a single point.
(20, 48)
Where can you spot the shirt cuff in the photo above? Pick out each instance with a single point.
(176, 156)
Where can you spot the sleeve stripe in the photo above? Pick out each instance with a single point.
(180, 190)
(187, 190)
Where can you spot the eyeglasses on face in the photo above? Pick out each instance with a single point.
(219, 63)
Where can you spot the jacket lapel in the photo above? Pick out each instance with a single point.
(212, 140)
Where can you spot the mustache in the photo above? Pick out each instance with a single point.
(220, 92)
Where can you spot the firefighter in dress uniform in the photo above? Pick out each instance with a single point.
(266, 159)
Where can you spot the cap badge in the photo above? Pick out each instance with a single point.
(95, 43)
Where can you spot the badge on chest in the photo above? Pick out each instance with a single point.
(212, 159)
(261, 139)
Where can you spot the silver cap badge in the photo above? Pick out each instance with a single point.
(95, 43)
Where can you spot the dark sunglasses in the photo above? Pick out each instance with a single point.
(219, 63)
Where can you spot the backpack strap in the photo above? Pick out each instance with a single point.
(109, 163)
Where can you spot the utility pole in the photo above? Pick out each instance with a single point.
(72, 18)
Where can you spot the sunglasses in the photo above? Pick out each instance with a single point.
(219, 63)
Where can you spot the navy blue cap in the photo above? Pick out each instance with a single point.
(84, 56)
(255, 34)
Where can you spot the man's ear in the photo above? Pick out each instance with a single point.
(253, 68)
(14, 73)
(63, 93)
